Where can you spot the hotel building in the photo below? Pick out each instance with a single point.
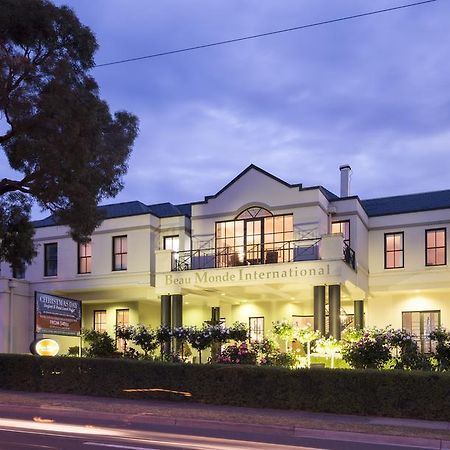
(258, 251)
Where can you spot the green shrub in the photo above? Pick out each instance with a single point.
(100, 344)
(413, 394)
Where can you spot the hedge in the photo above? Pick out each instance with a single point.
(424, 395)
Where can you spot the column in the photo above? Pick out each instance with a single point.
(334, 301)
(177, 317)
(166, 319)
(359, 314)
(319, 309)
(215, 320)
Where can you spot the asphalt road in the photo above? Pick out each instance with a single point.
(50, 434)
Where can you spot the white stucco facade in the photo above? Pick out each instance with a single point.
(262, 276)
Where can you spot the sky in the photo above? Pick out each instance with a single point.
(372, 92)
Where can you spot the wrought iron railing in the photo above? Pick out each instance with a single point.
(255, 254)
(349, 256)
(275, 252)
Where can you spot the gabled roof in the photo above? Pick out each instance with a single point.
(401, 204)
(250, 167)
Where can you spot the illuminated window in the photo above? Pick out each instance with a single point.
(342, 227)
(255, 237)
(393, 250)
(84, 258)
(171, 243)
(100, 320)
(122, 319)
(421, 324)
(120, 253)
(256, 328)
(436, 247)
(51, 259)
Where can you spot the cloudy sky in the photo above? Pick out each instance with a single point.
(372, 92)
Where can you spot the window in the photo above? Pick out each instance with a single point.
(84, 258)
(18, 272)
(393, 250)
(254, 237)
(256, 327)
(421, 324)
(51, 259)
(120, 253)
(100, 320)
(122, 319)
(342, 227)
(171, 243)
(435, 248)
(347, 321)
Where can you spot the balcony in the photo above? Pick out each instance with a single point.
(257, 254)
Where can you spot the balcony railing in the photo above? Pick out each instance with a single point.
(276, 252)
(349, 256)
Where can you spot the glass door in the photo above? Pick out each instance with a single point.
(253, 241)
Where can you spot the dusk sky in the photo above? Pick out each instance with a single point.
(372, 92)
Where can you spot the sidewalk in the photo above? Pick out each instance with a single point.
(406, 432)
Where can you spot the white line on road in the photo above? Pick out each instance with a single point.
(99, 444)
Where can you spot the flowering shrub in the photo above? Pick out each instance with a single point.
(442, 337)
(126, 333)
(237, 354)
(238, 332)
(145, 338)
(371, 351)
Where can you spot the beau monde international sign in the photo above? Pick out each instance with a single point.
(250, 274)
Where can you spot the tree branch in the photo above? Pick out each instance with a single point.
(7, 185)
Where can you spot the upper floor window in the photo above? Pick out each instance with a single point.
(100, 320)
(18, 272)
(342, 227)
(171, 243)
(436, 247)
(84, 257)
(256, 328)
(254, 237)
(120, 253)
(393, 250)
(51, 259)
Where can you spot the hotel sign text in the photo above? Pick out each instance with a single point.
(250, 274)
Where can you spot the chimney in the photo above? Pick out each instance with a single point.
(346, 171)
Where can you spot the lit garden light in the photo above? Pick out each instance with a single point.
(44, 347)
(306, 336)
(328, 347)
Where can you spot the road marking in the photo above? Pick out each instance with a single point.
(99, 444)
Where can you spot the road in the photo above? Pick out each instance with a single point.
(26, 430)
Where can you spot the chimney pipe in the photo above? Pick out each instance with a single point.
(346, 171)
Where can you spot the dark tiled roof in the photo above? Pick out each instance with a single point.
(126, 209)
(401, 204)
(169, 210)
(328, 194)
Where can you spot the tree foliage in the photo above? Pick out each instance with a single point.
(55, 130)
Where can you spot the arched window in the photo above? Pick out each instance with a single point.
(253, 213)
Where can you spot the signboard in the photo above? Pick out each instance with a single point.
(57, 315)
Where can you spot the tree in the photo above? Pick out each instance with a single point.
(16, 231)
(55, 130)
